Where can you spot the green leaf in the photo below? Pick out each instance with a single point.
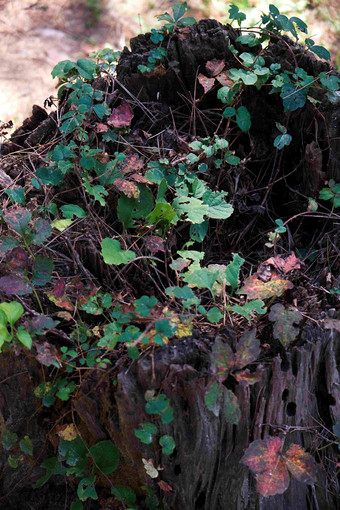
(49, 175)
(159, 404)
(86, 488)
(229, 112)
(113, 254)
(17, 195)
(144, 305)
(101, 109)
(13, 311)
(243, 118)
(8, 243)
(198, 231)
(247, 348)
(165, 328)
(42, 270)
(249, 309)
(248, 77)
(87, 68)
(293, 98)
(214, 315)
(77, 505)
(53, 467)
(321, 52)
(162, 215)
(282, 140)
(232, 271)
(106, 456)
(62, 68)
(201, 278)
(70, 210)
(144, 433)
(9, 439)
(168, 444)
(231, 408)
(192, 208)
(124, 494)
(178, 10)
(218, 209)
(218, 399)
(26, 446)
(300, 24)
(24, 337)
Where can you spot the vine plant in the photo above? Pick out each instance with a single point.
(168, 196)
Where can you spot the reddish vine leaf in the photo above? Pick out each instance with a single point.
(62, 301)
(224, 80)
(129, 189)
(59, 288)
(48, 355)
(14, 284)
(284, 320)
(257, 289)
(270, 466)
(131, 163)
(223, 359)
(247, 349)
(284, 265)
(17, 260)
(247, 378)
(301, 464)
(207, 83)
(121, 116)
(165, 486)
(215, 66)
(154, 244)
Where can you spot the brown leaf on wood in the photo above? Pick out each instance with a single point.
(207, 83)
(128, 188)
(332, 324)
(245, 377)
(214, 66)
(121, 116)
(165, 486)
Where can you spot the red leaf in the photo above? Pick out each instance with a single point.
(59, 288)
(214, 66)
(207, 83)
(263, 457)
(18, 260)
(301, 464)
(245, 377)
(128, 188)
(121, 116)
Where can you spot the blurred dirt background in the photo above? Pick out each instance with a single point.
(36, 34)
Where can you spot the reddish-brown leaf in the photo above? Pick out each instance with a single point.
(207, 83)
(257, 289)
(128, 188)
(223, 359)
(47, 354)
(245, 377)
(18, 260)
(301, 464)
(224, 80)
(154, 244)
(183, 33)
(284, 265)
(140, 178)
(101, 128)
(165, 486)
(15, 284)
(214, 66)
(131, 163)
(264, 459)
(59, 288)
(121, 116)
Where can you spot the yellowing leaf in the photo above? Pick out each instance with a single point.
(67, 432)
